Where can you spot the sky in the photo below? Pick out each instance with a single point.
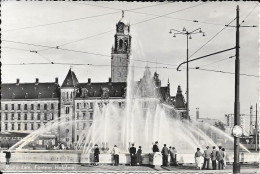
(88, 29)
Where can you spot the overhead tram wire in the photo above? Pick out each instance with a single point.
(131, 25)
(217, 61)
(80, 64)
(249, 14)
(78, 51)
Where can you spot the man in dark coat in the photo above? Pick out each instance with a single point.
(96, 155)
(132, 151)
(155, 147)
(165, 153)
(7, 156)
(213, 157)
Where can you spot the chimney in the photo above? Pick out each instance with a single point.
(197, 113)
(109, 80)
(17, 81)
(37, 81)
(89, 80)
(56, 80)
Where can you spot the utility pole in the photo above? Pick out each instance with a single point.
(188, 36)
(256, 129)
(236, 164)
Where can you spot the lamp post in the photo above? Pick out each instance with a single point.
(188, 36)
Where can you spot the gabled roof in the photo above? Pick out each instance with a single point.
(30, 90)
(70, 80)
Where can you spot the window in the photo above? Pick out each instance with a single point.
(32, 107)
(91, 106)
(12, 126)
(84, 105)
(19, 117)
(19, 126)
(67, 110)
(39, 125)
(120, 44)
(71, 95)
(84, 126)
(77, 126)
(32, 128)
(52, 106)
(12, 117)
(19, 106)
(39, 116)
(25, 116)
(6, 126)
(32, 116)
(39, 106)
(77, 115)
(25, 126)
(45, 116)
(12, 106)
(52, 118)
(119, 104)
(63, 95)
(25, 107)
(6, 106)
(77, 137)
(77, 105)
(45, 106)
(84, 116)
(6, 116)
(91, 116)
(67, 95)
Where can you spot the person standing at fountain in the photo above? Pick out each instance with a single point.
(96, 155)
(7, 156)
(220, 158)
(206, 156)
(155, 147)
(165, 153)
(213, 157)
(224, 156)
(132, 151)
(174, 156)
(115, 152)
(139, 156)
(198, 161)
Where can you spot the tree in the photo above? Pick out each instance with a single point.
(220, 125)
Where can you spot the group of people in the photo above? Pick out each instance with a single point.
(214, 155)
(135, 156)
(166, 152)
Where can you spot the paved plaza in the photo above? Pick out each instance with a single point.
(77, 168)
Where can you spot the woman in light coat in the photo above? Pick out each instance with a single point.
(198, 159)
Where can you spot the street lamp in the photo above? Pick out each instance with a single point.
(188, 36)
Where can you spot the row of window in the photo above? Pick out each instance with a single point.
(26, 126)
(28, 106)
(84, 116)
(29, 117)
(67, 95)
(83, 127)
(85, 105)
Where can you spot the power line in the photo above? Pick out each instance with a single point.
(211, 38)
(85, 52)
(217, 61)
(249, 13)
(100, 65)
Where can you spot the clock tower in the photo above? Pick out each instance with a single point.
(121, 51)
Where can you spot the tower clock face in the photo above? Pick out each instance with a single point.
(120, 27)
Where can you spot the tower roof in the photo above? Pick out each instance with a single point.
(70, 80)
(123, 19)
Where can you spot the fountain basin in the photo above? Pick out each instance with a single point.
(77, 157)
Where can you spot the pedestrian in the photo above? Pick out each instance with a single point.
(96, 155)
(224, 160)
(174, 156)
(139, 156)
(206, 156)
(165, 153)
(115, 152)
(220, 158)
(132, 152)
(213, 157)
(198, 160)
(155, 147)
(7, 156)
(171, 155)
